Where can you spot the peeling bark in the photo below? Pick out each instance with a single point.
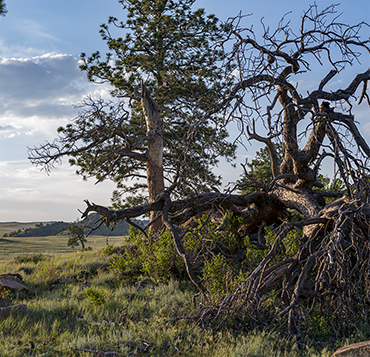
(154, 163)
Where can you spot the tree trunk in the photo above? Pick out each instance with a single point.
(154, 164)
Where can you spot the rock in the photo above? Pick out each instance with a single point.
(12, 285)
(16, 277)
(361, 349)
(12, 282)
(5, 311)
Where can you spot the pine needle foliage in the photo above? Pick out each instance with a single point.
(169, 47)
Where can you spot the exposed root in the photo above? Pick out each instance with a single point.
(329, 273)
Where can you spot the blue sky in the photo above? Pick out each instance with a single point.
(40, 43)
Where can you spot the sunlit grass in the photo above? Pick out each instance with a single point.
(11, 247)
(76, 304)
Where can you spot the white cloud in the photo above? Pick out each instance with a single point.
(38, 82)
(10, 51)
(8, 127)
(304, 85)
(38, 95)
(33, 29)
(21, 193)
(336, 84)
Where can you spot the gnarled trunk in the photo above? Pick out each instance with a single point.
(154, 164)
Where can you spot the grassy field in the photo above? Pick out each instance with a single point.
(77, 306)
(11, 247)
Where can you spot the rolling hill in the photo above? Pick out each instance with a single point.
(43, 229)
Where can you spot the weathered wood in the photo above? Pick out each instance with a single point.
(154, 163)
(361, 349)
(6, 311)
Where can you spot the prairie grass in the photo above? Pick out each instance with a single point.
(11, 247)
(76, 307)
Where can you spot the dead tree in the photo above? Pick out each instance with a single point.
(332, 260)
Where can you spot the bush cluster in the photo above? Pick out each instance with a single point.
(220, 256)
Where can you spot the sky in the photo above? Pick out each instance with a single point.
(40, 82)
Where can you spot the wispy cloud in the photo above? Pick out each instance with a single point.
(32, 29)
(56, 197)
(35, 37)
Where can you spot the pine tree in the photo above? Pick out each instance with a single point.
(76, 236)
(166, 68)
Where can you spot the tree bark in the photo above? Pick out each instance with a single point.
(154, 163)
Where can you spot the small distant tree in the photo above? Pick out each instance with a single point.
(76, 236)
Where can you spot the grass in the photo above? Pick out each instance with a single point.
(76, 307)
(11, 247)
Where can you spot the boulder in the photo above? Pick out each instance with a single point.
(16, 277)
(361, 349)
(12, 282)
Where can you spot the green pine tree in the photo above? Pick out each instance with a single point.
(258, 172)
(76, 236)
(165, 68)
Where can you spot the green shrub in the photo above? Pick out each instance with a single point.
(47, 273)
(155, 257)
(161, 260)
(108, 250)
(119, 265)
(217, 275)
(29, 258)
(222, 258)
(95, 295)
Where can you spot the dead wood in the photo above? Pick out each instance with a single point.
(6, 311)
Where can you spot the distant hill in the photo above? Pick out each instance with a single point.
(7, 227)
(40, 230)
(92, 221)
(43, 229)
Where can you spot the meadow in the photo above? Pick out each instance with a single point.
(78, 306)
(11, 247)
